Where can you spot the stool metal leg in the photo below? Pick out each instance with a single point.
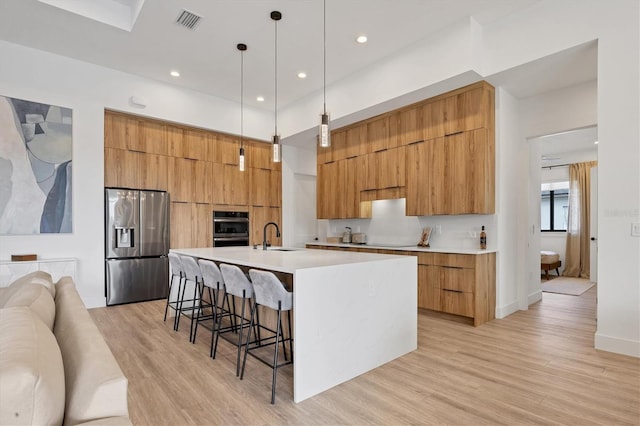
(166, 307)
(275, 356)
(246, 347)
(195, 329)
(196, 290)
(176, 321)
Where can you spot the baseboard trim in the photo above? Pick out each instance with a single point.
(617, 345)
(534, 297)
(505, 311)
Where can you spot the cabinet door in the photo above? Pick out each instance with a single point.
(471, 180)
(196, 146)
(378, 134)
(329, 202)
(275, 189)
(227, 150)
(428, 288)
(258, 218)
(154, 137)
(175, 146)
(426, 176)
(351, 190)
(467, 111)
(119, 131)
(124, 168)
(322, 191)
(260, 180)
(235, 185)
(356, 141)
(258, 154)
(202, 228)
(217, 183)
(338, 145)
(433, 119)
(390, 167)
(181, 177)
(155, 172)
(457, 303)
(369, 172)
(181, 225)
(202, 182)
(410, 126)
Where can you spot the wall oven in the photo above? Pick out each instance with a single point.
(230, 229)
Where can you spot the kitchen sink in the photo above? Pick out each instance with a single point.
(281, 249)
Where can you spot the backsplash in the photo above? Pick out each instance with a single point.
(389, 225)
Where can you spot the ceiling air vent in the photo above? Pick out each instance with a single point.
(188, 19)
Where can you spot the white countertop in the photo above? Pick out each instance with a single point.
(406, 248)
(281, 261)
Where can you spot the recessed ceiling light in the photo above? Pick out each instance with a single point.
(361, 39)
(260, 99)
(174, 74)
(596, 142)
(302, 75)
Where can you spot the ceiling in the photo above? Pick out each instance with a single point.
(141, 37)
(97, 32)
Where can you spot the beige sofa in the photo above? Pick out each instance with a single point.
(55, 366)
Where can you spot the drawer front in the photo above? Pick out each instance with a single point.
(456, 279)
(458, 303)
(427, 258)
(447, 259)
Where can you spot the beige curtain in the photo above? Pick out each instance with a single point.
(577, 252)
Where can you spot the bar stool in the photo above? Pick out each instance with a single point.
(193, 275)
(176, 272)
(213, 281)
(270, 293)
(237, 285)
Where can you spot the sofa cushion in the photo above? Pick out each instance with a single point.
(95, 385)
(33, 296)
(37, 277)
(32, 387)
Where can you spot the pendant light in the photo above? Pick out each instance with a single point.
(277, 152)
(324, 134)
(241, 47)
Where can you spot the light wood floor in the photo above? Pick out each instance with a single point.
(534, 367)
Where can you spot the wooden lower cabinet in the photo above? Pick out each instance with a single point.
(459, 284)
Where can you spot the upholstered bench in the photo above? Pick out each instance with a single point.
(549, 260)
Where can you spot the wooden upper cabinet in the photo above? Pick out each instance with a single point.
(410, 125)
(235, 185)
(227, 150)
(338, 145)
(433, 116)
(202, 191)
(390, 165)
(120, 132)
(356, 141)
(378, 134)
(152, 137)
(329, 200)
(258, 154)
(197, 145)
(275, 189)
(181, 225)
(259, 183)
(368, 176)
(182, 173)
(469, 110)
(350, 189)
(451, 175)
(175, 143)
(155, 172)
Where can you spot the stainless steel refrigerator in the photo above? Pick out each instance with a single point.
(136, 245)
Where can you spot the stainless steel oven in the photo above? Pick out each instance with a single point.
(230, 229)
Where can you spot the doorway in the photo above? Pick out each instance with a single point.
(550, 157)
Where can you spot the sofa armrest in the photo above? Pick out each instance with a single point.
(96, 388)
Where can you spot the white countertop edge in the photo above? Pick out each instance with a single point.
(407, 248)
(287, 262)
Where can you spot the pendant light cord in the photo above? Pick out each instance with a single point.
(276, 77)
(242, 99)
(324, 56)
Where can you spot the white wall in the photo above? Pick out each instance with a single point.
(88, 90)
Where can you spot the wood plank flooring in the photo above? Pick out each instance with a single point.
(533, 367)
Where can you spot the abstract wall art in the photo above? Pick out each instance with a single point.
(35, 168)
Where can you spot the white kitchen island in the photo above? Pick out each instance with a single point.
(352, 311)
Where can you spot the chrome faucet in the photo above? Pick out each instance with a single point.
(264, 234)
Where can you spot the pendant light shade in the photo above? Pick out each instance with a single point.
(276, 147)
(324, 133)
(241, 47)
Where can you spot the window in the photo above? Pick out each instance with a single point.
(554, 206)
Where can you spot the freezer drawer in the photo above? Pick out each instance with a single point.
(136, 280)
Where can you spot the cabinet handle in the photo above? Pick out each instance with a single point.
(452, 291)
(452, 267)
(453, 134)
